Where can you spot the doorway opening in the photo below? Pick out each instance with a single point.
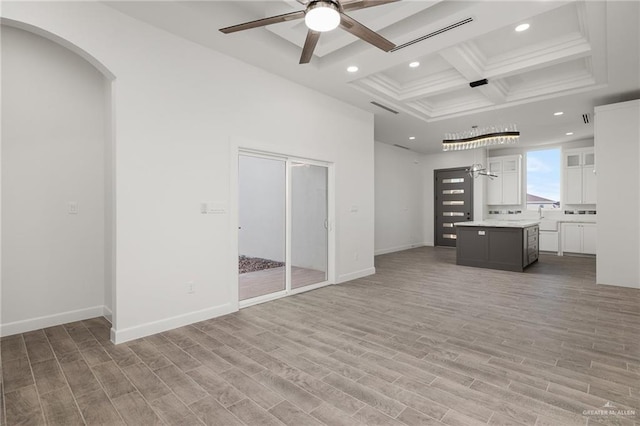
(283, 226)
(57, 192)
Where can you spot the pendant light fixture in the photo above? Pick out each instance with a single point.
(478, 138)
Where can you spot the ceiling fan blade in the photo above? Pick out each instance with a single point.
(357, 29)
(361, 4)
(262, 22)
(309, 46)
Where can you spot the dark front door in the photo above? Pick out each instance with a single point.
(453, 201)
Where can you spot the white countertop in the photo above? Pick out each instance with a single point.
(500, 223)
(579, 219)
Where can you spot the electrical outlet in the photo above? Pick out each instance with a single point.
(191, 287)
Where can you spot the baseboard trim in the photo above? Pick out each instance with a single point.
(355, 275)
(50, 320)
(107, 314)
(398, 248)
(131, 333)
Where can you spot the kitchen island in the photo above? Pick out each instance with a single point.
(497, 244)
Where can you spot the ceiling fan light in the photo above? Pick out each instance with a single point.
(322, 16)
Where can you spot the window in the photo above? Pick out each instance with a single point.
(543, 179)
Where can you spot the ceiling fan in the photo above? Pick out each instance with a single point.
(322, 16)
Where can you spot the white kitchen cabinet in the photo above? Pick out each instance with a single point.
(573, 185)
(494, 184)
(588, 185)
(549, 241)
(571, 237)
(578, 238)
(579, 176)
(589, 236)
(505, 188)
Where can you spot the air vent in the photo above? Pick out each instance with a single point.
(384, 107)
(586, 118)
(403, 147)
(435, 33)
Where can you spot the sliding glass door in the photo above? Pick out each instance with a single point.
(284, 225)
(309, 224)
(262, 223)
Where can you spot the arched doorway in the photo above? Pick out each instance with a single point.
(57, 183)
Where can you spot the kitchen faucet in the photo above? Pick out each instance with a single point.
(540, 213)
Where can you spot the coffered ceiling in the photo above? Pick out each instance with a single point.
(575, 55)
(555, 56)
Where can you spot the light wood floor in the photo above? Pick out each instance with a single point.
(422, 342)
(267, 281)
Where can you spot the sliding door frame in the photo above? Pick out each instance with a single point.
(329, 227)
(279, 293)
(236, 152)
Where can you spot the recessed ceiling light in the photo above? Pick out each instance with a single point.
(352, 68)
(412, 138)
(569, 133)
(522, 27)
(414, 64)
(558, 113)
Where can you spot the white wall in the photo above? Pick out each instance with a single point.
(180, 112)
(399, 189)
(447, 160)
(53, 143)
(617, 143)
(261, 200)
(404, 194)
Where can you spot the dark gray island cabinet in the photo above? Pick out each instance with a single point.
(510, 246)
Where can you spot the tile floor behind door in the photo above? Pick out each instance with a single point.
(422, 342)
(267, 281)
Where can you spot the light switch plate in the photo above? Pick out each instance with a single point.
(72, 207)
(210, 207)
(216, 208)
